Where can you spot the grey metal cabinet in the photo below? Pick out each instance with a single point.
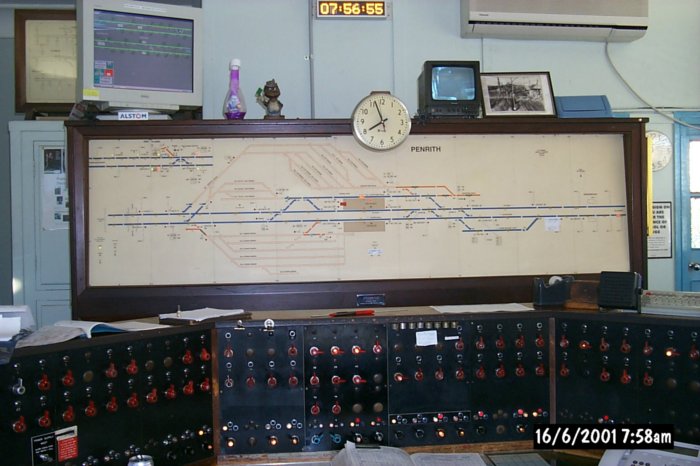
(40, 239)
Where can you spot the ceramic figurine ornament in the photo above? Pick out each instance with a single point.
(268, 99)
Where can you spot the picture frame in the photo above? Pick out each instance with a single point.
(517, 94)
(45, 61)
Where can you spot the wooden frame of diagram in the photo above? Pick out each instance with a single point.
(23, 102)
(104, 300)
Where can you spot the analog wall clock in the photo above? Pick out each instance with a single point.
(380, 121)
(661, 149)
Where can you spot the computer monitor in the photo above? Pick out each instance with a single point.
(139, 55)
(449, 89)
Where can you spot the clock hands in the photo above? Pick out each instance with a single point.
(378, 111)
(382, 120)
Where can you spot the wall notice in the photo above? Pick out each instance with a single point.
(54, 187)
(659, 244)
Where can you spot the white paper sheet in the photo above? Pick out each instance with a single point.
(505, 307)
(9, 327)
(199, 315)
(23, 311)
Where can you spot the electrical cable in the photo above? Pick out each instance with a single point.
(638, 96)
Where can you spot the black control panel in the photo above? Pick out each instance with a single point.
(99, 401)
(411, 381)
(618, 368)
(190, 393)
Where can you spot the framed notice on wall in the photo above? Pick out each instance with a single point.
(45, 60)
(660, 242)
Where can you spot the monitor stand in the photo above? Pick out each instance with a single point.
(134, 115)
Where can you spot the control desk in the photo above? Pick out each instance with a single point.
(409, 378)
(102, 400)
(296, 386)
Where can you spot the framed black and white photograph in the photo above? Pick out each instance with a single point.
(517, 94)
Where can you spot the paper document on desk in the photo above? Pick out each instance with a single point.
(9, 327)
(447, 459)
(475, 308)
(21, 311)
(392, 456)
(91, 328)
(49, 335)
(138, 326)
(65, 330)
(199, 315)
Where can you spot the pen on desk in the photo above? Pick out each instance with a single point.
(361, 312)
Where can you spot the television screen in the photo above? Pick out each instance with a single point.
(449, 89)
(453, 83)
(135, 51)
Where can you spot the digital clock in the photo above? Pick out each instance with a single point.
(328, 9)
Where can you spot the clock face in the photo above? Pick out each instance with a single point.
(661, 150)
(380, 121)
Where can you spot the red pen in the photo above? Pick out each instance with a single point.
(362, 312)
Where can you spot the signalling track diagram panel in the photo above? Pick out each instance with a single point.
(305, 209)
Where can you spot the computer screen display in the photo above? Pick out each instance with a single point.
(139, 55)
(136, 51)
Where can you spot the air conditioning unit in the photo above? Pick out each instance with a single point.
(592, 20)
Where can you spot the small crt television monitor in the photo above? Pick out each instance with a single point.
(449, 89)
(139, 55)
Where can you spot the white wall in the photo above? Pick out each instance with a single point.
(276, 38)
(324, 67)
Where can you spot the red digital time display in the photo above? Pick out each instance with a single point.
(327, 9)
